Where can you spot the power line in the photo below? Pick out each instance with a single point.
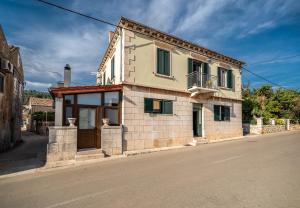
(112, 24)
(75, 12)
(274, 59)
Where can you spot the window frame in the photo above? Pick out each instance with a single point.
(162, 109)
(224, 113)
(112, 68)
(2, 83)
(156, 72)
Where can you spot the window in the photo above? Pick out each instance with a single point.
(221, 113)
(68, 113)
(87, 118)
(111, 98)
(112, 115)
(1, 83)
(69, 99)
(225, 78)
(104, 78)
(163, 62)
(112, 67)
(89, 99)
(158, 106)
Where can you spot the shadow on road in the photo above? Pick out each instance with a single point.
(29, 154)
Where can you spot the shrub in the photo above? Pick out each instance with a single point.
(253, 121)
(279, 121)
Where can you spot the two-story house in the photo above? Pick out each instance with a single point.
(11, 92)
(163, 90)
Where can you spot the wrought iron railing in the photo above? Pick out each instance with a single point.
(198, 79)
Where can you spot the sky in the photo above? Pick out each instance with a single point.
(263, 33)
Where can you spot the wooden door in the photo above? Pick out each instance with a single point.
(88, 127)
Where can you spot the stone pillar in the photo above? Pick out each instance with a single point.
(62, 145)
(273, 121)
(111, 140)
(58, 111)
(287, 124)
(259, 123)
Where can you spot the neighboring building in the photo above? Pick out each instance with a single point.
(163, 90)
(34, 105)
(11, 92)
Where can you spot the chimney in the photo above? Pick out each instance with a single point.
(110, 36)
(67, 75)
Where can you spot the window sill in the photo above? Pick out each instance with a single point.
(225, 88)
(163, 76)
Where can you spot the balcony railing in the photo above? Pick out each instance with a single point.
(202, 82)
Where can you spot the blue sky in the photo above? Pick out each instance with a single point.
(249, 30)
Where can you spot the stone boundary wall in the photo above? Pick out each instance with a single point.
(62, 144)
(111, 140)
(294, 126)
(266, 129)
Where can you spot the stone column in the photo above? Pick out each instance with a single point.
(58, 111)
(259, 123)
(111, 140)
(287, 124)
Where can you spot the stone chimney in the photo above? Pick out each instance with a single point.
(67, 75)
(110, 36)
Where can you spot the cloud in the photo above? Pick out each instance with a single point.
(79, 46)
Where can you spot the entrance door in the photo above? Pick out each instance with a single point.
(197, 120)
(88, 127)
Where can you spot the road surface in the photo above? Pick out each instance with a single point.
(254, 172)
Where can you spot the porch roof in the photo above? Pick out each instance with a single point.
(59, 91)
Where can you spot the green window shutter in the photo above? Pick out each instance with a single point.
(166, 63)
(222, 113)
(112, 67)
(160, 61)
(205, 69)
(227, 113)
(216, 112)
(190, 70)
(229, 78)
(148, 105)
(219, 77)
(167, 107)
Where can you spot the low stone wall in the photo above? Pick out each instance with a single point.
(294, 126)
(273, 128)
(111, 140)
(62, 144)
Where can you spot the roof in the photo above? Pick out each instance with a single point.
(140, 28)
(59, 91)
(40, 101)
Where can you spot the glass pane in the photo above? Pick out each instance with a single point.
(113, 115)
(87, 118)
(89, 99)
(111, 98)
(68, 114)
(69, 99)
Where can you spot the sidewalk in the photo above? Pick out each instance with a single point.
(29, 154)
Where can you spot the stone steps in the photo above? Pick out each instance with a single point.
(89, 154)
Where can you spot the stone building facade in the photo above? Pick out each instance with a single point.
(132, 59)
(11, 92)
(159, 89)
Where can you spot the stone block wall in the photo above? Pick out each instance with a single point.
(111, 140)
(294, 126)
(214, 130)
(62, 144)
(147, 130)
(273, 128)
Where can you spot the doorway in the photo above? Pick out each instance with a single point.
(89, 127)
(197, 120)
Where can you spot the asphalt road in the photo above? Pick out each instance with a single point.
(254, 172)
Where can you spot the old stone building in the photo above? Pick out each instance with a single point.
(11, 91)
(160, 90)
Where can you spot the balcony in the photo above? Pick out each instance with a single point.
(199, 83)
